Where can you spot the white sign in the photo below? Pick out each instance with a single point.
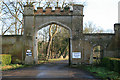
(76, 54)
(29, 53)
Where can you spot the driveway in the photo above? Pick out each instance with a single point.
(53, 71)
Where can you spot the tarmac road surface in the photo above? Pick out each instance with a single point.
(48, 71)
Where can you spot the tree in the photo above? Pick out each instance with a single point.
(12, 12)
(91, 28)
(11, 16)
(59, 45)
(52, 33)
(43, 36)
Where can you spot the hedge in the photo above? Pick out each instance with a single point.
(111, 63)
(5, 59)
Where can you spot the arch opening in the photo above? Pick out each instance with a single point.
(97, 54)
(60, 47)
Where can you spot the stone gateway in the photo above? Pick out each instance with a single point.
(34, 20)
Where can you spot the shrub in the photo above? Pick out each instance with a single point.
(111, 63)
(116, 63)
(5, 59)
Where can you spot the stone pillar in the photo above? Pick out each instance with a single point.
(117, 38)
(28, 36)
(77, 32)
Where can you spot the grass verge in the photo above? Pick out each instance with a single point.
(11, 66)
(101, 72)
(15, 66)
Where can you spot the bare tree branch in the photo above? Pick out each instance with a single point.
(7, 29)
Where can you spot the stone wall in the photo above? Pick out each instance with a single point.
(71, 20)
(109, 43)
(12, 44)
(102, 39)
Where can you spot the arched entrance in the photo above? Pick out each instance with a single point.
(46, 24)
(97, 54)
(34, 20)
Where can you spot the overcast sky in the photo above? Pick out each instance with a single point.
(103, 13)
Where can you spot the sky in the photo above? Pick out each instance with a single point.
(103, 13)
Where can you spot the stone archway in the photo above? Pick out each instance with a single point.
(71, 20)
(44, 25)
(100, 53)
